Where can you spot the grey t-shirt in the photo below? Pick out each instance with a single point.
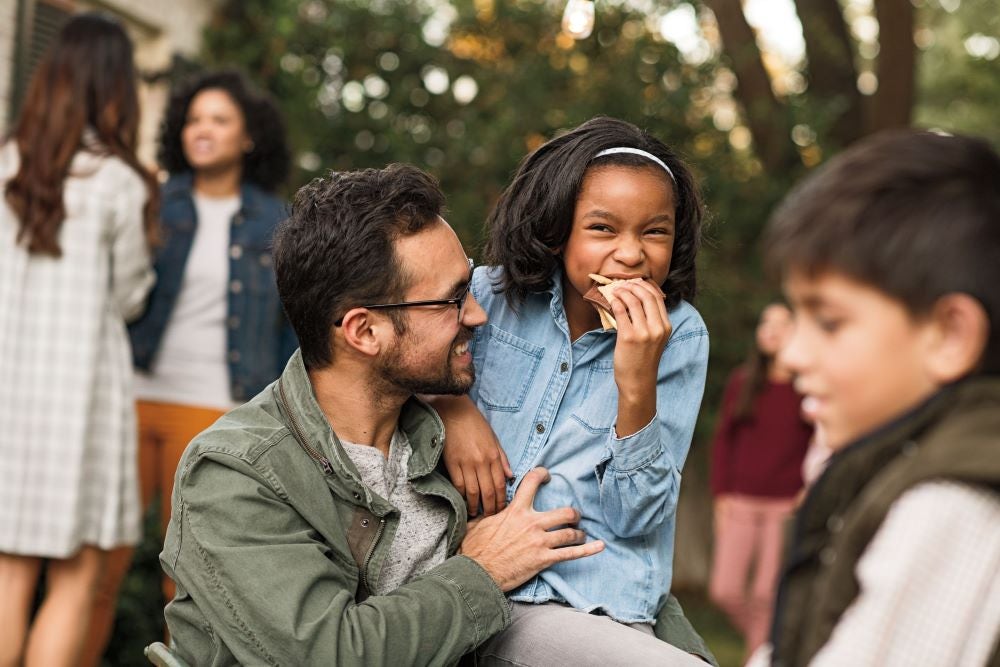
(421, 539)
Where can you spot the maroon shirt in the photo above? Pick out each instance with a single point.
(760, 455)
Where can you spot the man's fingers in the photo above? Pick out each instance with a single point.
(566, 537)
(578, 551)
(561, 516)
(525, 494)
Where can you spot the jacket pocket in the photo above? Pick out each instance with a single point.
(599, 409)
(507, 371)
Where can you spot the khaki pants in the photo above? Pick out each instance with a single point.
(165, 429)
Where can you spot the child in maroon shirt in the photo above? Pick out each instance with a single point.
(760, 442)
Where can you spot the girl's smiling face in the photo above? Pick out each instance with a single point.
(623, 227)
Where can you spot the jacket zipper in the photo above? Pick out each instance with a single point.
(313, 454)
(368, 556)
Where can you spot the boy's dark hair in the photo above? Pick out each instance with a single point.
(336, 250)
(266, 165)
(913, 214)
(534, 215)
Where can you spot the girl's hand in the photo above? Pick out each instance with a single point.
(475, 461)
(643, 331)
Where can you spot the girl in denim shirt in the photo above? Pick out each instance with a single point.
(610, 414)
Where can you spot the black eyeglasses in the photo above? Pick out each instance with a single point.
(456, 301)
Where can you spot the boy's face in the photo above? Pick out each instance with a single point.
(858, 355)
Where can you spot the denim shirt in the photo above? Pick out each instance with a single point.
(259, 339)
(553, 402)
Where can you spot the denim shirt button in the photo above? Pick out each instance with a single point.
(239, 219)
(234, 356)
(233, 322)
(540, 427)
(239, 393)
(235, 251)
(563, 367)
(235, 286)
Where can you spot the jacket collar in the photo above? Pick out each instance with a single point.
(420, 423)
(182, 185)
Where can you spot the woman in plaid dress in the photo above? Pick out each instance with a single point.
(75, 218)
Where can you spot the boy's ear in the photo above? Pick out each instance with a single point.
(363, 332)
(962, 330)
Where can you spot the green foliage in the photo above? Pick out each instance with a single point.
(958, 91)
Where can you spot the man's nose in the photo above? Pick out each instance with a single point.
(473, 315)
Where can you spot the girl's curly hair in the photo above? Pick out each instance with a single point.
(266, 165)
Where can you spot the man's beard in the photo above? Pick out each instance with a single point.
(443, 379)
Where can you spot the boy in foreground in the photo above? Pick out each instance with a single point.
(890, 257)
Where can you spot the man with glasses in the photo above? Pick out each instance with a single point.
(311, 525)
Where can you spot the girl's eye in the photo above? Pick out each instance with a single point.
(659, 231)
(599, 227)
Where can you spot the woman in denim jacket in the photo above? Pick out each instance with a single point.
(214, 333)
(609, 413)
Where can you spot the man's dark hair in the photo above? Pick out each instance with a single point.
(534, 215)
(915, 215)
(266, 165)
(336, 250)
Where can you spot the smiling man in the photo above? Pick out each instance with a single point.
(311, 526)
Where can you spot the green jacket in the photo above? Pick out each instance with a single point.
(952, 436)
(274, 543)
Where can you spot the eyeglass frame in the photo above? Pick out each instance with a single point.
(454, 301)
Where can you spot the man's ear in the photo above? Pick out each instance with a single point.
(363, 331)
(961, 332)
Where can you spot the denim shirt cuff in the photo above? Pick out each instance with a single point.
(636, 450)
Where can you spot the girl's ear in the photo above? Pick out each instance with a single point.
(961, 331)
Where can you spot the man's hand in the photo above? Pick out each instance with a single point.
(518, 543)
(475, 461)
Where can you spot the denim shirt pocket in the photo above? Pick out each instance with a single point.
(599, 408)
(507, 371)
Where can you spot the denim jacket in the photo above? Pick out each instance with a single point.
(259, 338)
(553, 402)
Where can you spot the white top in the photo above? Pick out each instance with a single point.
(67, 417)
(930, 585)
(190, 366)
(421, 539)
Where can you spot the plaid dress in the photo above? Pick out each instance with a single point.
(67, 423)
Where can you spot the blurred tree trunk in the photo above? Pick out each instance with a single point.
(831, 75)
(892, 103)
(766, 116)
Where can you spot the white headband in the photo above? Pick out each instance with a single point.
(636, 151)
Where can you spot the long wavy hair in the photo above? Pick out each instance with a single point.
(267, 163)
(86, 81)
